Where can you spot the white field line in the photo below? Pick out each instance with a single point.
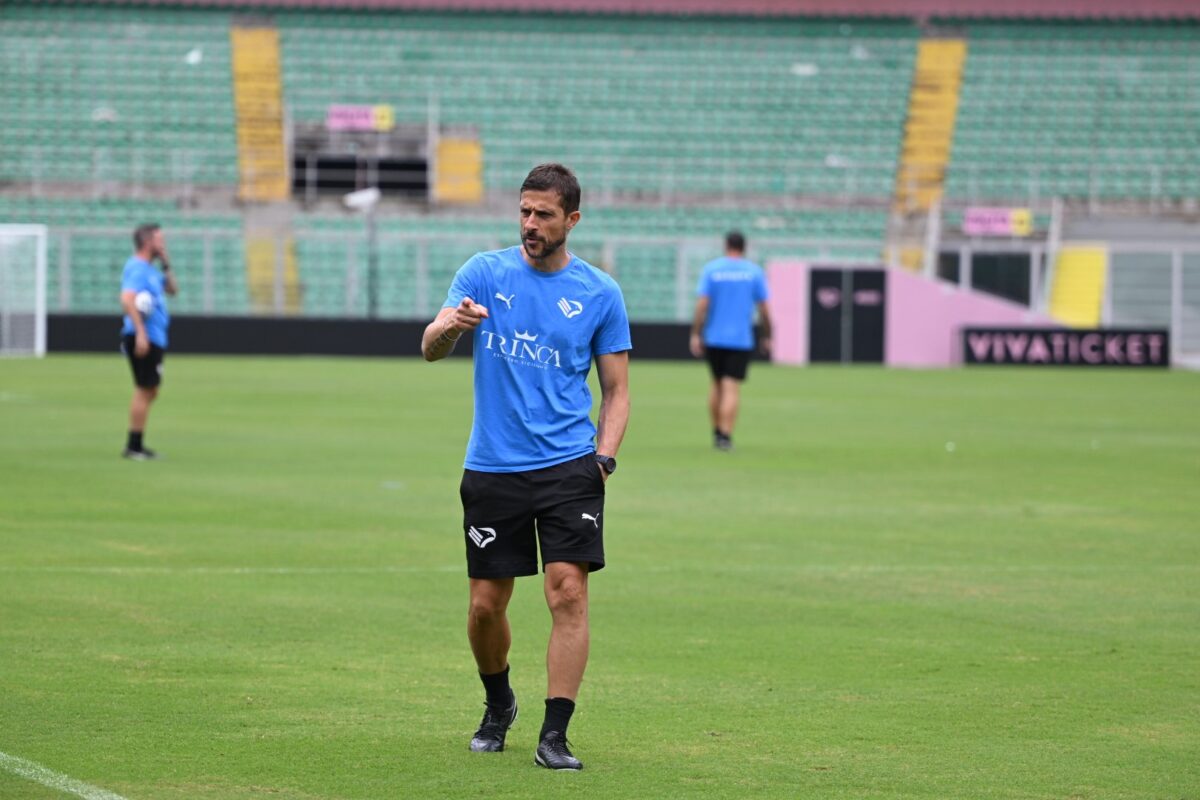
(54, 780)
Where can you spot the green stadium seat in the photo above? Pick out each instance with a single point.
(642, 101)
(1087, 110)
(154, 102)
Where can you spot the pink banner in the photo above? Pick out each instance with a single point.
(924, 318)
(358, 118)
(982, 221)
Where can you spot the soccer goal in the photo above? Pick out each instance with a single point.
(22, 290)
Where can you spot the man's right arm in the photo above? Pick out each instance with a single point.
(764, 324)
(448, 326)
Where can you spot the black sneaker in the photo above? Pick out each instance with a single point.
(723, 443)
(552, 753)
(139, 455)
(494, 727)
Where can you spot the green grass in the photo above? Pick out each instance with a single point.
(842, 608)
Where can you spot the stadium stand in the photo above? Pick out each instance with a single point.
(809, 108)
(90, 241)
(94, 95)
(1087, 109)
(330, 252)
(802, 131)
(634, 104)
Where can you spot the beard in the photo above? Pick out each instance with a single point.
(548, 248)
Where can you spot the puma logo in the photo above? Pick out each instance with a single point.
(593, 519)
(506, 300)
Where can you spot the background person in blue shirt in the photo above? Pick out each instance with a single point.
(144, 334)
(730, 290)
(536, 466)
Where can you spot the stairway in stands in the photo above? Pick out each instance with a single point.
(258, 102)
(928, 137)
(271, 273)
(1077, 292)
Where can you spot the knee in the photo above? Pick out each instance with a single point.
(568, 597)
(485, 610)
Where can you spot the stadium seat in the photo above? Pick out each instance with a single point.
(809, 107)
(94, 93)
(1090, 110)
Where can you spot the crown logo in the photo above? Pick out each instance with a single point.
(525, 337)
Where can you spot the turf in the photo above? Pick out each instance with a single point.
(845, 607)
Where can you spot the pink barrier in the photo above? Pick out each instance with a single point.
(922, 319)
(788, 303)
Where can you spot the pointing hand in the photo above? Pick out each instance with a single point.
(467, 316)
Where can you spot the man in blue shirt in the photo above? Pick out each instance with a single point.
(730, 290)
(144, 333)
(536, 466)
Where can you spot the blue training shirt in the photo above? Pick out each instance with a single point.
(532, 357)
(142, 276)
(733, 286)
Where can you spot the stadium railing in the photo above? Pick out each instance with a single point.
(658, 274)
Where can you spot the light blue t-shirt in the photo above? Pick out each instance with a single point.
(532, 357)
(141, 276)
(733, 286)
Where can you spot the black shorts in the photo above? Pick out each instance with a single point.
(728, 363)
(147, 371)
(508, 515)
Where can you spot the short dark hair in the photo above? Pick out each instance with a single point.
(143, 233)
(556, 178)
(734, 240)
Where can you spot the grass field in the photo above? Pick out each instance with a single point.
(845, 607)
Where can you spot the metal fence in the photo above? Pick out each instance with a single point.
(179, 173)
(404, 276)
(1146, 284)
(1101, 184)
(332, 274)
(1152, 284)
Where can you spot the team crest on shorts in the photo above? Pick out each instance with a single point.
(482, 537)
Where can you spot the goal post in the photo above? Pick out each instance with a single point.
(23, 290)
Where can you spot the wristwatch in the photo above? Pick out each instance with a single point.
(607, 463)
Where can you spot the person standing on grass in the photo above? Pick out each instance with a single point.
(144, 333)
(731, 287)
(536, 466)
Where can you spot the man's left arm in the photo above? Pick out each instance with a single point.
(695, 340)
(764, 328)
(613, 371)
(169, 284)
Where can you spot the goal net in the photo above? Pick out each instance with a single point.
(22, 290)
